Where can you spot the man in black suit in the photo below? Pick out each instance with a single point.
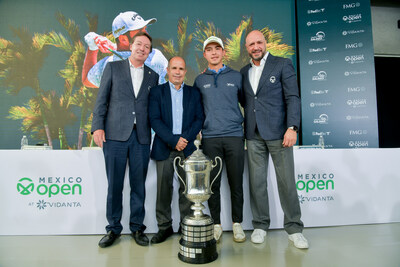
(121, 127)
(176, 116)
(272, 119)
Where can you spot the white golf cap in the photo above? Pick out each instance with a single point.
(129, 21)
(213, 39)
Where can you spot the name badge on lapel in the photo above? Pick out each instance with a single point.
(272, 79)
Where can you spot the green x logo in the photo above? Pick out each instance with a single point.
(25, 189)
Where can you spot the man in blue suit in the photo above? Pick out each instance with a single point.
(272, 119)
(121, 127)
(176, 116)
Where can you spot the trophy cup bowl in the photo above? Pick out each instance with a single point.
(197, 244)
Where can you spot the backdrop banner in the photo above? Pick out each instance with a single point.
(64, 192)
(337, 73)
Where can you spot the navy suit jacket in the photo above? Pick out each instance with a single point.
(160, 115)
(276, 104)
(116, 105)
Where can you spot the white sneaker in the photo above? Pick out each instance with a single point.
(238, 234)
(258, 235)
(299, 240)
(217, 232)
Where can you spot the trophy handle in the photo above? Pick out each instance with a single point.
(176, 171)
(220, 169)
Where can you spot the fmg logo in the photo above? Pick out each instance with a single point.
(50, 186)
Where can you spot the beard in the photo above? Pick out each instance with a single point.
(257, 58)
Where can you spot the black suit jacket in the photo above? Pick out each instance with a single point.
(160, 114)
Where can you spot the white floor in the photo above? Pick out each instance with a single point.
(361, 245)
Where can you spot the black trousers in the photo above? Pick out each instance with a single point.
(231, 151)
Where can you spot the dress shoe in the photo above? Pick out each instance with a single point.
(140, 238)
(162, 235)
(299, 240)
(108, 239)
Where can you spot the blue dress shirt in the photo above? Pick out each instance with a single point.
(177, 108)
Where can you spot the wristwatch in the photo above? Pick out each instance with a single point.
(294, 128)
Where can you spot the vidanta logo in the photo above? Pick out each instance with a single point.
(319, 92)
(358, 144)
(322, 119)
(321, 76)
(316, 11)
(353, 73)
(351, 5)
(50, 186)
(357, 103)
(352, 18)
(344, 33)
(356, 89)
(358, 132)
(353, 45)
(320, 104)
(318, 61)
(354, 59)
(357, 117)
(317, 50)
(41, 204)
(303, 199)
(319, 37)
(315, 181)
(316, 22)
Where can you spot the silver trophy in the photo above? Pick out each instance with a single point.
(197, 244)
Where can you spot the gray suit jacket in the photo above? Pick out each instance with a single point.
(116, 106)
(276, 104)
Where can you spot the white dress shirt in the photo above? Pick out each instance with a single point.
(137, 77)
(256, 71)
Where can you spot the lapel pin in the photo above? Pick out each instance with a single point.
(272, 79)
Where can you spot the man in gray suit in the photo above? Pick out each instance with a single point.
(272, 119)
(121, 127)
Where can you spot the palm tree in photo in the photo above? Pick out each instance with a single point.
(83, 97)
(20, 64)
(184, 40)
(236, 54)
(31, 117)
(202, 32)
(55, 111)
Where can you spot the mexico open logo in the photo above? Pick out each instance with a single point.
(315, 187)
(50, 186)
(25, 186)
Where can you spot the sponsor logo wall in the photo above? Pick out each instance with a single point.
(337, 73)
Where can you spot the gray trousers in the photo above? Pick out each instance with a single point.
(165, 178)
(282, 157)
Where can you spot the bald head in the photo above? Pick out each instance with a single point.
(256, 46)
(176, 71)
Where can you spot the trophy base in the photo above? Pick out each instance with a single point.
(197, 244)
